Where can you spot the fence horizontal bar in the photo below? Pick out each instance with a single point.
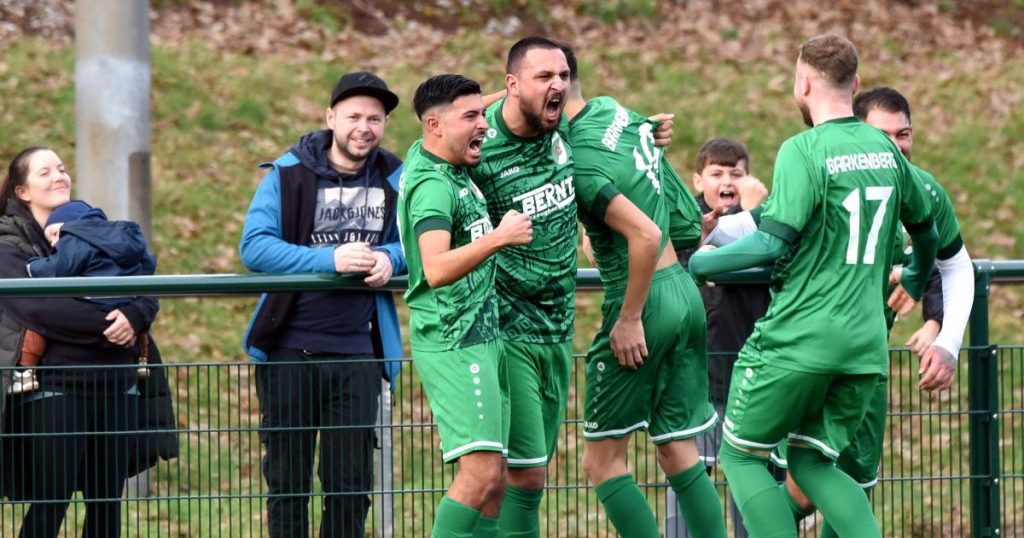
(243, 284)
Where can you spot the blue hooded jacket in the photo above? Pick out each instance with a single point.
(280, 218)
(95, 246)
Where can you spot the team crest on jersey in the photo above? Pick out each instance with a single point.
(558, 152)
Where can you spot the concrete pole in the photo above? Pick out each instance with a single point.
(112, 107)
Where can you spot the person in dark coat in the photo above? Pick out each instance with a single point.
(72, 433)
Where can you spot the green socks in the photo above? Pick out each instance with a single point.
(627, 507)
(486, 527)
(454, 520)
(698, 501)
(757, 495)
(827, 531)
(841, 501)
(520, 513)
(799, 513)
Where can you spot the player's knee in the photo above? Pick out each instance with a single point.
(528, 478)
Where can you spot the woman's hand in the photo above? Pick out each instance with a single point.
(120, 332)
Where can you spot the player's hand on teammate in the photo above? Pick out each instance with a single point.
(937, 370)
(752, 192)
(628, 343)
(922, 338)
(353, 258)
(380, 273)
(515, 228)
(663, 131)
(899, 300)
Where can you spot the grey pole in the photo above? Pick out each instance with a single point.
(112, 107)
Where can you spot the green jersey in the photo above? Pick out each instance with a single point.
(536, 282)
(838, 188)
(615, 154)
(436, 195)
(946, 224)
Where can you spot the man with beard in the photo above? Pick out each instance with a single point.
(838, 188)
(647, 367)
(450, 245)
(326, 206)
(527, 166)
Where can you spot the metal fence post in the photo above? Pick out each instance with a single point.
(983, 401)
(385, 508)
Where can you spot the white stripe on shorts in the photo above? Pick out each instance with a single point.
(627, 429)
(867, 485)
(527, 461)
(779, 461)
(470, 447)
(819, 444)
(686, 433)
(749, 444)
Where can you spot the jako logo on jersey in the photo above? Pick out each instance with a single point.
(614, 131)
(479, 228)
(547, 198)
(860, 161)
(590, 424)
(558, 151)
(509, 171)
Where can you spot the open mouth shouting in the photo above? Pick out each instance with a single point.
(474, 150)
(728, 197)
(553, 108)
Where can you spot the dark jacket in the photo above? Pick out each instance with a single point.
(73, 329)
(94, 246)
(732, 311)
(279, 220)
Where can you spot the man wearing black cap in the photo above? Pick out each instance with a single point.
(326, 206)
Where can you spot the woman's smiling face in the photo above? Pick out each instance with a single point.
(47, 184)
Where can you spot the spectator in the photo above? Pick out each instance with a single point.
(70, 428)
(722, 179)
(327, 205)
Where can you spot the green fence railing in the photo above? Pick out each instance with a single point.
(953, 464)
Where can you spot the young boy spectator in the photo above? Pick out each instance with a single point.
(85, 244)
(725, 187)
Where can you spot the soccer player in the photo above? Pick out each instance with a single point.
(453, 330)
(888, 110)
(647, 367)
(527, 166)
(810, 368)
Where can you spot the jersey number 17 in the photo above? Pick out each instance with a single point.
(852, 204)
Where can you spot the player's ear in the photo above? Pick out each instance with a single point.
(433, 125)
(512, 85)
(856, 84)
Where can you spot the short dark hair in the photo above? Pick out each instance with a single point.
(723, 152)
(524, 45)
(883, 98)
(570, 59)
(833, 56)
(442, 90)
(17, 176)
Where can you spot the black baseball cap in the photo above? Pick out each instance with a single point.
(364, 83)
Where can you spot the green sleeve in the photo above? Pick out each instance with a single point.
(593, 184)
(431, 205)
(915, 204)
(796, 189)
(757, 249)
(684, 213)
(926, 244)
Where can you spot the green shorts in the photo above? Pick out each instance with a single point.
(468, 393)
(668, 395)
(829, 407)
(540, 375)
(860, 460)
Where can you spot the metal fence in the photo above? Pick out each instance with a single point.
(953, 463)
